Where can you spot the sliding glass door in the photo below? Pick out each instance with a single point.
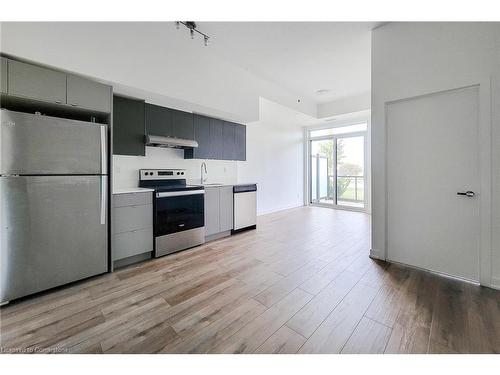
(322, 167)
(350, 176)
(337, 167)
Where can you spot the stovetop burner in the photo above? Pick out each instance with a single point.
(176, 188)
(165, 180)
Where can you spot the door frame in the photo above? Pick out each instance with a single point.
(484, 149)
(346, 120)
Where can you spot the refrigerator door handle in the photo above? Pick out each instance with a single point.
(104, 166)
(103, 199)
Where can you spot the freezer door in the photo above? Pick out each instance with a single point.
(35, 144)
(53, 231)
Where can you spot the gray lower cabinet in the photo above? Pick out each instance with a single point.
(212, 211)
(35, 82)
(87, 94)
(218, 210)
(132, 224)
(3, 76)
(132, 243)
(226, 208)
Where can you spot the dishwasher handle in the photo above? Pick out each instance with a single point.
(244, 188)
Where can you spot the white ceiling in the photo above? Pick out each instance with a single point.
(302, 57)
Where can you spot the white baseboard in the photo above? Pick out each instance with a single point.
(495, 283)
(294, 205)
(377, 254)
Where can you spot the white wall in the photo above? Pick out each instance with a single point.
(347, 105)
(410, 59)
(275, 158)
(152, 56)
(154, 61)
(125, 168)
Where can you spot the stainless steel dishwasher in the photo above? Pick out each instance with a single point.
(245, 207)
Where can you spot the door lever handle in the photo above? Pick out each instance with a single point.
(469, 193)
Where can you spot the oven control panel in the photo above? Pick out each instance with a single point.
(161, 174)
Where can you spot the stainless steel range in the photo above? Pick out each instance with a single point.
(179, 219)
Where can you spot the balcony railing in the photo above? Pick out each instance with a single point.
(350, 188)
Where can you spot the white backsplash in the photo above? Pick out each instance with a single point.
(125, 168)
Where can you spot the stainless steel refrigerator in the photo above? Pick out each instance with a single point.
(53, 211)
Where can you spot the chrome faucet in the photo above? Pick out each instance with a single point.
(203, 166)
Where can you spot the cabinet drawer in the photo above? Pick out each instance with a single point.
(132, 218)
(132, 199)
(132, 243)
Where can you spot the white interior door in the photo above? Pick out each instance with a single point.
(433, 153)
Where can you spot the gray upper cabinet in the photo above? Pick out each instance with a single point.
(240, 141)
(202, 136)
(128, 126)
(47, 85)
(158, 120)
(34, 82)
(216, 139)
(182, 124)
(169, 122)
(3, 76)
(87, 94)
(228, 145)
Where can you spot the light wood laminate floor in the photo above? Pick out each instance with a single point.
(301, 283)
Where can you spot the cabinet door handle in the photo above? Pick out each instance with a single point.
(469, 193)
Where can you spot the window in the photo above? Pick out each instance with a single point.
(337, 166)
(361, 127)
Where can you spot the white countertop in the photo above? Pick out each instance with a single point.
(143, 190)
(215, 184)
(131, 190)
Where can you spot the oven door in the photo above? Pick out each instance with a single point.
(178, 211)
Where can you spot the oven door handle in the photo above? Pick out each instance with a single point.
(179, 193)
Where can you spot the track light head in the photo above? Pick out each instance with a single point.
(191, 26)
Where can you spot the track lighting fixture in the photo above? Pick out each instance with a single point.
(191, 26)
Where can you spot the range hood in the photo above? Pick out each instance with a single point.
(160, 141)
